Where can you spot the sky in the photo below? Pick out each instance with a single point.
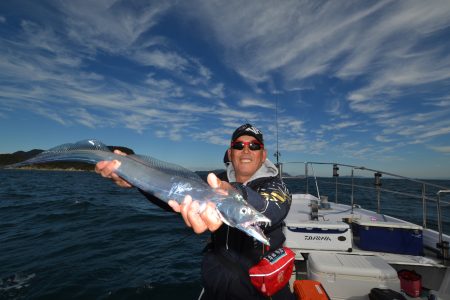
(365, 83)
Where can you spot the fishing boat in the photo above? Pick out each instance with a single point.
(353, 249)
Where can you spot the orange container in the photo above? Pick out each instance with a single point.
(309, 290)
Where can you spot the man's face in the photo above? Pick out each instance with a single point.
(246, 162)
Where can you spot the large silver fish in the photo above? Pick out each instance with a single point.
(164, 180)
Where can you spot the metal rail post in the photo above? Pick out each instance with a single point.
(353, 185)
(443, 245)
(378, 186)
(424, 206)
(306, 175)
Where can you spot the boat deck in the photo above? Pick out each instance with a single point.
(350, 249)
(300, 213)
(307, 213)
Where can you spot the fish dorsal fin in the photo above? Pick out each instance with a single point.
(89, 144)
(166, 167)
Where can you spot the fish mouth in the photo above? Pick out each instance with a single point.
(253, 228)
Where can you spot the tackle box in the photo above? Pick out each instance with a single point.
(309, 290)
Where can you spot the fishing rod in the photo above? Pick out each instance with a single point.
(277, 153)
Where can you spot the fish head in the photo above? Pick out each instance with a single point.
(235, 211)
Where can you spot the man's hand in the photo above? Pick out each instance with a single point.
(208, 219)
(107, 169)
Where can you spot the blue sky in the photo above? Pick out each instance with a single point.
(359, 82)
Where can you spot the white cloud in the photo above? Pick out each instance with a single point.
(50, 70)
(164, 60)
(433, 133)
(416, 128)
(85, 118)
(428, 116)
(439, 101)
(187, 69)
(367, 106)
(387, 46)
(383, 139)
(52, 115)
(110, 26)
(441, 149)
(249, 102)
(214, 136)
(163, 88)
(285, 36)
(400, 73)
(333, 107)
(218, 91)
(339, 125)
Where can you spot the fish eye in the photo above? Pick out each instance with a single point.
(244, 210)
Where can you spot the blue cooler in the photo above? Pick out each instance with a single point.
(392, 237)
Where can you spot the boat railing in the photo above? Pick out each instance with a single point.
(290, 170)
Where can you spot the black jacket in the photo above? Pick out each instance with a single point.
(232, 252)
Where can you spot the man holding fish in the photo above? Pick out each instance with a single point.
(231, 252)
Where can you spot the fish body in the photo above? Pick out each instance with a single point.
(164, 180)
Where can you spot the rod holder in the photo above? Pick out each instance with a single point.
(336, 175)
(377, 179)
(335, 170)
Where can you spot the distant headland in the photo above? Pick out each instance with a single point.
(19, 156)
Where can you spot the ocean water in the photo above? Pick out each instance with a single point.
(79, 236)
(76, 235)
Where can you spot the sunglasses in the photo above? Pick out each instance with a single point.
(253, 145)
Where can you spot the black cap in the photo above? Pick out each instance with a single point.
(248, 129)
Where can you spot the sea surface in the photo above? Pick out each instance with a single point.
(75, 235)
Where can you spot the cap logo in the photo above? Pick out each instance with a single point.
(254, 130)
